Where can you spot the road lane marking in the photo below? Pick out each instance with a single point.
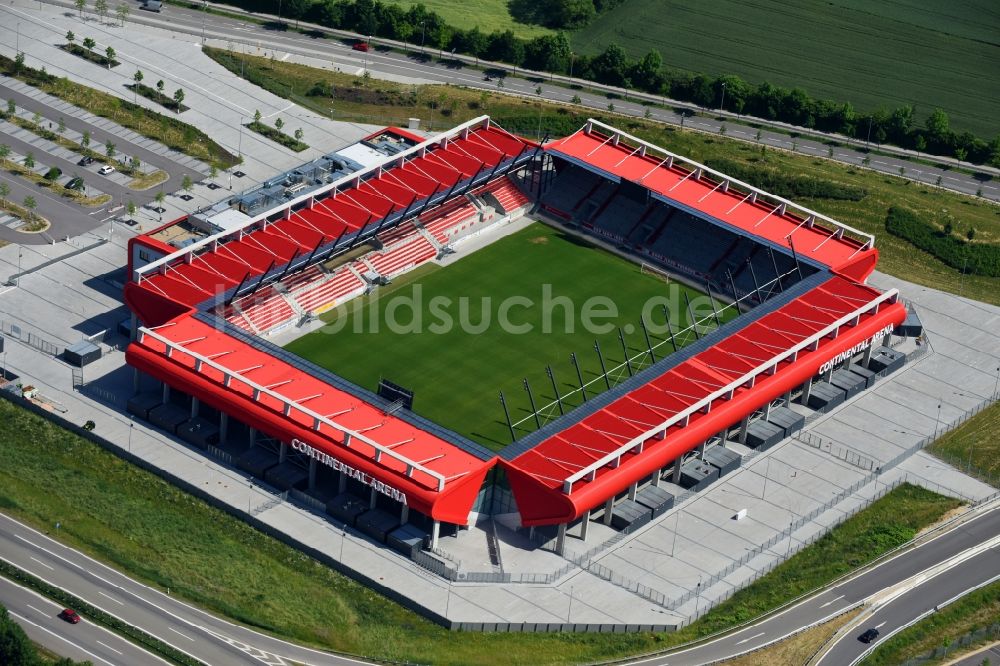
(120, 603)
(62, 638)
(180, 634)
(879, 626)
(42, 563)
(36, 609)
(832, 601)
(747, 640)
(109, 647)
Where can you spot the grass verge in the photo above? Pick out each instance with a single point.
(974, 446)
(160, 98)
(148, 180)
(346, 97)
(142, 525)
(797, 649)
(975, 610)
(92, 56)
(169, 131)
(277, 136)
(55, 188)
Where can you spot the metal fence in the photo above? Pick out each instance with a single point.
(938, 654)
(20, 333)
(849, 456)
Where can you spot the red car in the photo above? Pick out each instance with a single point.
(69, 615)
(361, 46)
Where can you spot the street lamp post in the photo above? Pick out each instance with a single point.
(937, 421)
(423, 34)
(722, 103)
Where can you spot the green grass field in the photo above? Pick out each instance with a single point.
(974, 445)
(488, 15)
(920, 52)
(139, 524)
(457, 373)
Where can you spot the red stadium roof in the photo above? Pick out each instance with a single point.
(212, 266)
(727, 200)
(578, 468)
(278, 398)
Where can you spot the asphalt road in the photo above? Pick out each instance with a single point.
(237, 32)
(84, 641)
(192, 630)
(835, 600)
(64, 216)
(908, 607)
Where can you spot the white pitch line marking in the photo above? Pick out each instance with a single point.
(109, 647)
(832, 601)
(180, 634)
(747, 640)
(110, 597)
(42, 563)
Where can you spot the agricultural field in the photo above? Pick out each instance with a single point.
(488, 15)
(456, 371)
(385, 102)
(920, 52)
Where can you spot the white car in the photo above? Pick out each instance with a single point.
(106, 169)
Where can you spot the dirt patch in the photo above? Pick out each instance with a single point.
(958, 510)
(539, 240)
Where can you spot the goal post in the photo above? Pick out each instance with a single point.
(659, 273)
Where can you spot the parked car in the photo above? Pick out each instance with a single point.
(69, 615)
(361, 46)
(152, 5)
(75, 184)
(85, 161)
(106, 169)
(869, 635)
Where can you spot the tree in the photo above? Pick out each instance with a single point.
(101, 7)
(257, 116)
(80, 5)
(178, 99)
(971, 234)
(186, 183)
(299, 134)
(213, 172)
(937, 125)
(89, 43)
(296, 9)
(961, 154)
(130, 208)
(29, 161)
(137, 77)
(19, 62)
(36, 118)
(11, 107)
(4, 151)
(62, 125)
(504, 46)
(85, 140)
(757, 136)
(110, 53)
(610, 66)
(109, 149)
(160, 85)
(136, 164)
(70, 37)
(122, 12)
(15, 648)
(160, 198)
(920, 143)
(278, 124)
(30, 204)
(4, 192)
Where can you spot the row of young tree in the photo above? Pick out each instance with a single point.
(552, 53)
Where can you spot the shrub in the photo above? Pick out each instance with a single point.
(53, 173)
(784, 185)
(975, 258)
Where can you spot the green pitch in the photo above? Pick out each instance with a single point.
(544, 284)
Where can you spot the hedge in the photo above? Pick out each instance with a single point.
(786, 185)
(973, 258)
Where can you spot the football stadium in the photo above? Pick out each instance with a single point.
(478, 325)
